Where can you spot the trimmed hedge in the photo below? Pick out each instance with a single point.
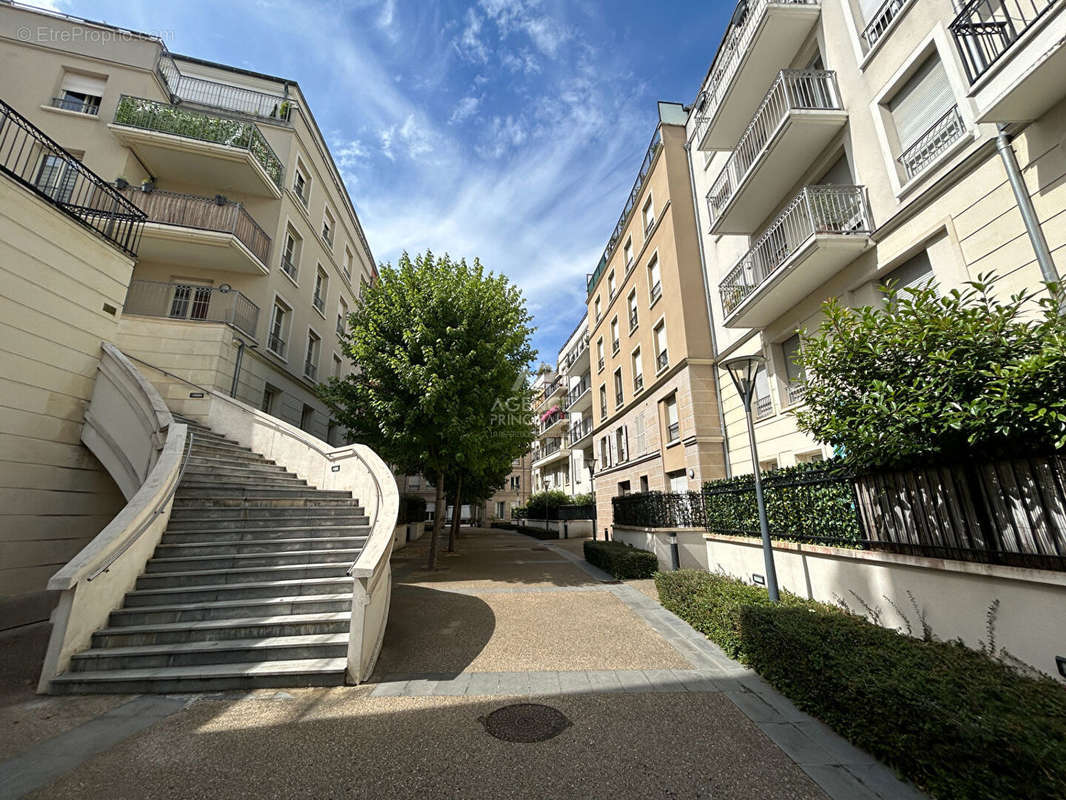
(956, 722)
(621, 560)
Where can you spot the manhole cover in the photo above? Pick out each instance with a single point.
(525, 722)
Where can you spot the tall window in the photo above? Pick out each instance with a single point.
(628, 252)
(347, 262)
(328, 224)
(300, 183)
(279, 328)
(638, 372)
(190, 301)
(790, 350)
(926, 117)
(611, 287)
(290, 254)
(633, 317)
(764, 405)
(618, 387)
(599, 353)
(314, 343)
(81, 93)
(321, 287)
(596, 305)
(662, 357)
(621, 441)
(648, 214)
(673, 426)
(655, 286)
(603, 400)
(56, 178)
(342, 317)
(605, 452)
(337, 366)
(270, 399)
(615, 341)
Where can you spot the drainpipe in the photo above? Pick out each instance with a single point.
(710, 313)
(241, 344)
(1025, 205)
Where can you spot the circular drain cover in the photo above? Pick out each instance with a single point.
(525, 722)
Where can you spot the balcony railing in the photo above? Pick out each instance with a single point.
(616, 345)
(550, 447)
(794, 90)
(311, 369)
(575, 352)
(192, 302)
(581, 430)
(737, 40)
(601, 363)
(319, 303)
(203, 213)
(276, 343)
(638, 384)
(662, 361)
(149, 115)
(795, 392)
(634, 194)
(986, 29)
(32, 158)
(617, 399)
(880, 20)
(764, 407)
(225, 96)
(937, 138)
(578, 391)
(633, 319)
(90, 105)
(815, 210)
(288, 266)
(550, 420)
(656, 290)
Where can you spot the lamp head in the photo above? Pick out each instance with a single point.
(742, 369)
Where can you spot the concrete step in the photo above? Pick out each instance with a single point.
(229, 465)
(266, 526)
(197, 490)
(262, 517)
(208, 562)
(206, 678)
(201, 449)
(204, 505)
(224, 545)
(264, 536)
(223, 629)
(243, 457)
(276, 648)
(231, 609)
(197, 479)
(211, 577)
(222, 592)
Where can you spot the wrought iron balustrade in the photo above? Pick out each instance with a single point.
(880, 21)
(225, 96)
(935, 140)
(90, 105)
(986, 29)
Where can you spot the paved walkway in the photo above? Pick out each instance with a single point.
(655, 709)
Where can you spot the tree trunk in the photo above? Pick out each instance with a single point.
(455, 516)
(438, 516)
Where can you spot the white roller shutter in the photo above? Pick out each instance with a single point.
(83, 84)
(924, 99)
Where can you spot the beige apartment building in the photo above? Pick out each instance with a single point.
(839, 144)
(514, 492)
(249, 259)
(655, 404)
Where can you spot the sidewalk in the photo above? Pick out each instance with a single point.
(653, 709)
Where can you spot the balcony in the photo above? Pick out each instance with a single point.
(30, 157)
(206, 232)
(552, 422)
(880, 21)
(552, 390)
(797, 119)
(582, 391)
(823, 229)
(192, 303)
(187, 146)
(578, 354)
(224, 96)
(763, 36)
(1014, 52)
(550, 450)
(581, 432)
(939, 137)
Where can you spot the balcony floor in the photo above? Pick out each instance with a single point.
(190, 161)
(820, 258)
(217, 251)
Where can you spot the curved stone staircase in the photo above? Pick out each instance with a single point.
(248, 587)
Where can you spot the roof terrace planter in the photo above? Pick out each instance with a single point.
(821, 230)
(197, 126)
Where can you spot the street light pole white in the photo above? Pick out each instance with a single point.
(743, 369)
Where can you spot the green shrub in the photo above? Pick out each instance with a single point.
(621, 560)
(956, 722)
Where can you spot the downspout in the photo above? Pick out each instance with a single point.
(237, 367)
(710, 313)
(1025, 206)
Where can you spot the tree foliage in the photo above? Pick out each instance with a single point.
(935, 377)
(441, 349)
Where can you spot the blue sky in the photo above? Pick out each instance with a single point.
(510, 130)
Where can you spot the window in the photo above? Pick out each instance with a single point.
(307, 418)
(627, 251)
(56, 178)
(621, 440)
(655, 286)
(279, 327)
(790, 350)
(611, 288)
(640, 434)
(926, 117)
(648, 214)
(809, 458)
(516, 482)
(342, 317)
(301, 185)
(596, 304)
(290, 254)
(270, 399)
(662, 357)
(80, 93)
(618, 387)
(615, 341)
(877, 15)
(764, 405)
(633, 318)
(328, 224)
(644, 483)
(499, 509)
(318, 299)
(190, 301)
(605, 453)
(677, 481)
(603, 400)
(638, 372)
(673, 427)
(337, 366)
(314, 343)
(599, 353)
(623, 488)
(914, 273)
(348, 262)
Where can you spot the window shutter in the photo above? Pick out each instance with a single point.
(924, 99)
(913, 273)
(83, 84)
(790, 348)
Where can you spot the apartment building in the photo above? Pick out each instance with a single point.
(252, 254)
(189, 213)
(655, 405)
(514, 492)
(836, 145)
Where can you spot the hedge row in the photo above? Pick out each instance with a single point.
(621, 560)
(956, 722)
(412, 509)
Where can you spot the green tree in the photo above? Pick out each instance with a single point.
(438, 346)
(933, 377)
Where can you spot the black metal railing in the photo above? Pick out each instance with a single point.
(880, 21)
(633, 319)
(277, 343)
(673, 432)
(288, 266)
(151, 115)
(578, 391)
(35, 160)
(638, 384)
(662, 361)
(656, 290)
(310, 369)
(937, 138)
(986, 29)
(549, 447)
(188, 301)
(550, 420)
(580, 430)
(90, 105)
(225, 96)
(660, 510)
(617, 399)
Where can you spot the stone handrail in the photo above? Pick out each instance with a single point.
(129, 429)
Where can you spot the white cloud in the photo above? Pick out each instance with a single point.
(470, 45)
(464, 109)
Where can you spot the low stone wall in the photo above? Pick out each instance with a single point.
(692, 551)
(566, 528)
(407, 532)
(954, 596)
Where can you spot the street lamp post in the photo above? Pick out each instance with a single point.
(592, 485)
(743, 369)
